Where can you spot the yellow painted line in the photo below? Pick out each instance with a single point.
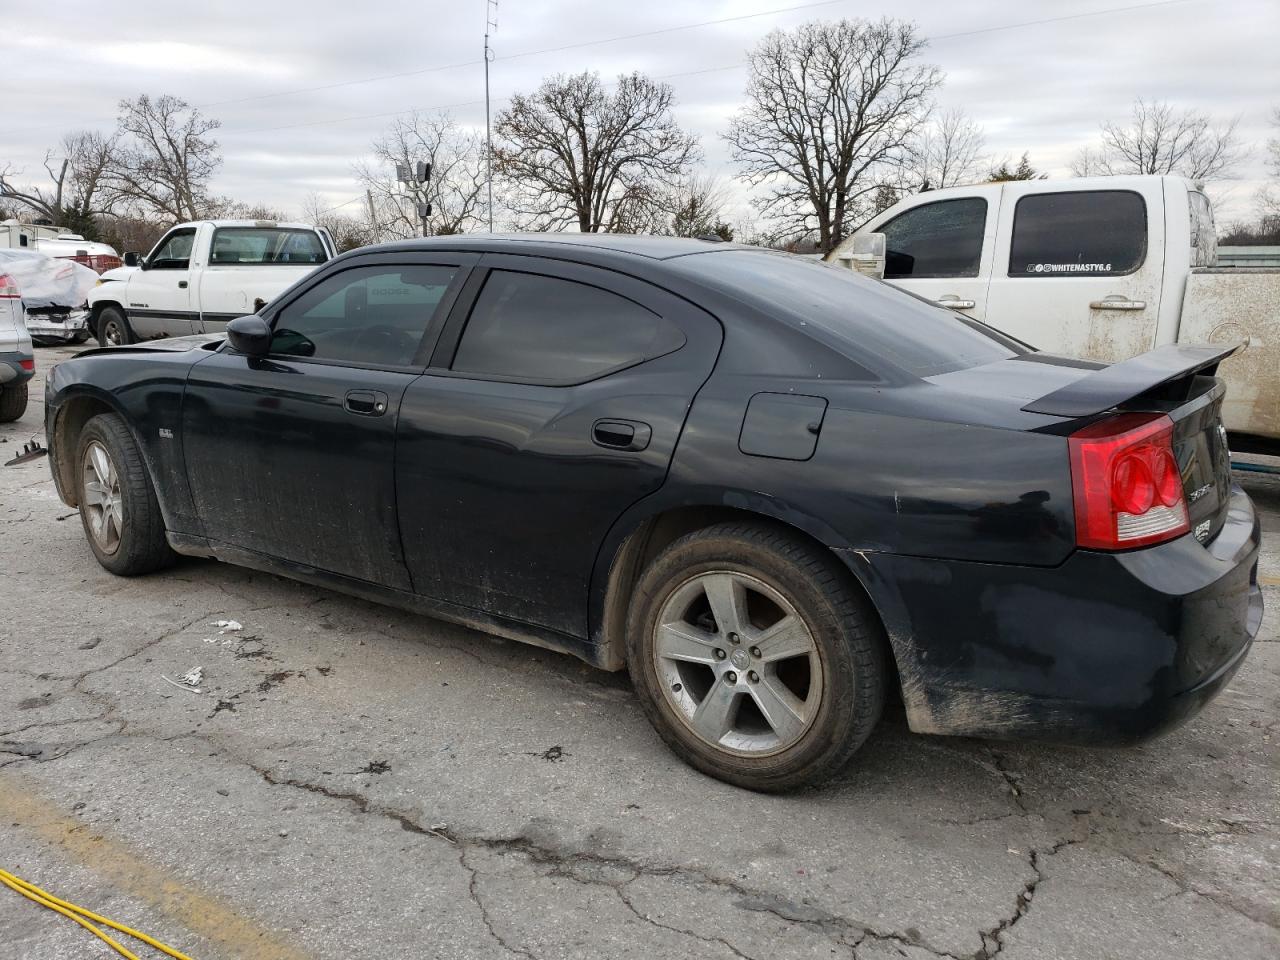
(130, 874)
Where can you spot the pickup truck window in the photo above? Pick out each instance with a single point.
(366, 315)
(1090, 233)
(942, 239)
(262, 246)
(174, 251)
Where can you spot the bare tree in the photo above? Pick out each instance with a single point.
(76, 172)
(348, 229)
(1160, 139)
(695, 207)
(833, 109)
(165, 158)
(455, 190)
(579, 155)
(948, 152)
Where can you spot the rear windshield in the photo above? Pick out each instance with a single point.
(869, 317)
(266, 245)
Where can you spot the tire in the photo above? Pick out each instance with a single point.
(791, 588)
(80, 336)
(123, 524)
(13, 401)
(112, 329)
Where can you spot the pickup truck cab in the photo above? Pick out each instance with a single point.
(1102, 268)
(200, 275)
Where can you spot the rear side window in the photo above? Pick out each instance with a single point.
(374, 315)
(542, 329)
(942, 239)
(1095, 233)
(263, 246)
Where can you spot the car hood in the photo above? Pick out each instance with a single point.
(195, 341)
(117, 273)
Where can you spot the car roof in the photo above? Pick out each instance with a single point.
(653, 248)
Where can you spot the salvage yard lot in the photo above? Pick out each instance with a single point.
(354, 781)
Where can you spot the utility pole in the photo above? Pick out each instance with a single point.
(490, 23)
(413, 182)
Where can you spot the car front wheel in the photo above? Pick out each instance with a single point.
(113, 328)
(118, 506)
(756, 657)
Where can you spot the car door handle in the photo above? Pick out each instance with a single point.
(366, 403)
(621, 434)
(1115, 302)
(182, 284)
(955, 303)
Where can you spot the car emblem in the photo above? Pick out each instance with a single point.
(1202, 531)
(740, 659)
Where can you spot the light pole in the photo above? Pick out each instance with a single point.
(490, 23)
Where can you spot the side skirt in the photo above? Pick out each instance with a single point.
(504, 627)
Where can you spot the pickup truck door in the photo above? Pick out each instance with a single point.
(942, 249)
(292, 455)
(251, 263)
(1078, 272)
(158, 298)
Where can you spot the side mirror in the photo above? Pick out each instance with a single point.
(866, 255)
(131, 259)
(249, 335)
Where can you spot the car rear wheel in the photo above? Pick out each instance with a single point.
(756, 657)
(113, 328)
(118, 506)
(13, 401)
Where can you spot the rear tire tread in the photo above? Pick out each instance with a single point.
(13, 401)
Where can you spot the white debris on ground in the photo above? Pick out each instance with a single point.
(192, 677)
(228, 626)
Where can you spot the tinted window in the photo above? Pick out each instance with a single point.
(1097, 233)
(374, 315)
(862, 318)
(530, 327)
(174, 252)
(942, 239)
(266, 245)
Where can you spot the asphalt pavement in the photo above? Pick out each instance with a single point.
(352, 781)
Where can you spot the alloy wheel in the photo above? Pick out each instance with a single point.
(738, 663)
(102, 499)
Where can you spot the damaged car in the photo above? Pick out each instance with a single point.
(54, 293)
(774, 491)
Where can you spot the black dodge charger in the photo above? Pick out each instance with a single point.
(775, 491)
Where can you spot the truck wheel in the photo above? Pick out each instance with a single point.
(755, 656)
(113, 328)
(80, 336)
(13, 401)
(118, 506)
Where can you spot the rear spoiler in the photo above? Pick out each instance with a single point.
(1103, 389)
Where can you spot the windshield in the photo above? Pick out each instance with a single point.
(872, 318)
(266, 245)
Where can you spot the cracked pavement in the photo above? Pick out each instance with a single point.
(354, 781)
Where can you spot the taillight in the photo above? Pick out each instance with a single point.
(27, 365)
(8, 287)
(1126, 484)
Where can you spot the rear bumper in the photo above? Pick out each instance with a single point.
(11, 370)
(1105, 648)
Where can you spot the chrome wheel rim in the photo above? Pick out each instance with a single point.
(737, 663)
(112, 333)
(102, 503)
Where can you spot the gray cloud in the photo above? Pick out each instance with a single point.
(1042, 88)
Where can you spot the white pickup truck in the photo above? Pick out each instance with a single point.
(200, 275)
(1103, 268)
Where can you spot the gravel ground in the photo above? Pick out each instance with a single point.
(352, 781)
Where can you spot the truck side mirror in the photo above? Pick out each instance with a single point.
(249, 335)
(131, 259)
(866, 255)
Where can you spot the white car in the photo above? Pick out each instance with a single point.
(1102, 268)
(17, 362)
(201, 275)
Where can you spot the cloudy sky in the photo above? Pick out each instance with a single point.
(302, 87)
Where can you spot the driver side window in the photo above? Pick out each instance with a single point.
(374, 315)
(174, 252)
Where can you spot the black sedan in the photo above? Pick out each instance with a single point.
(775, 491)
